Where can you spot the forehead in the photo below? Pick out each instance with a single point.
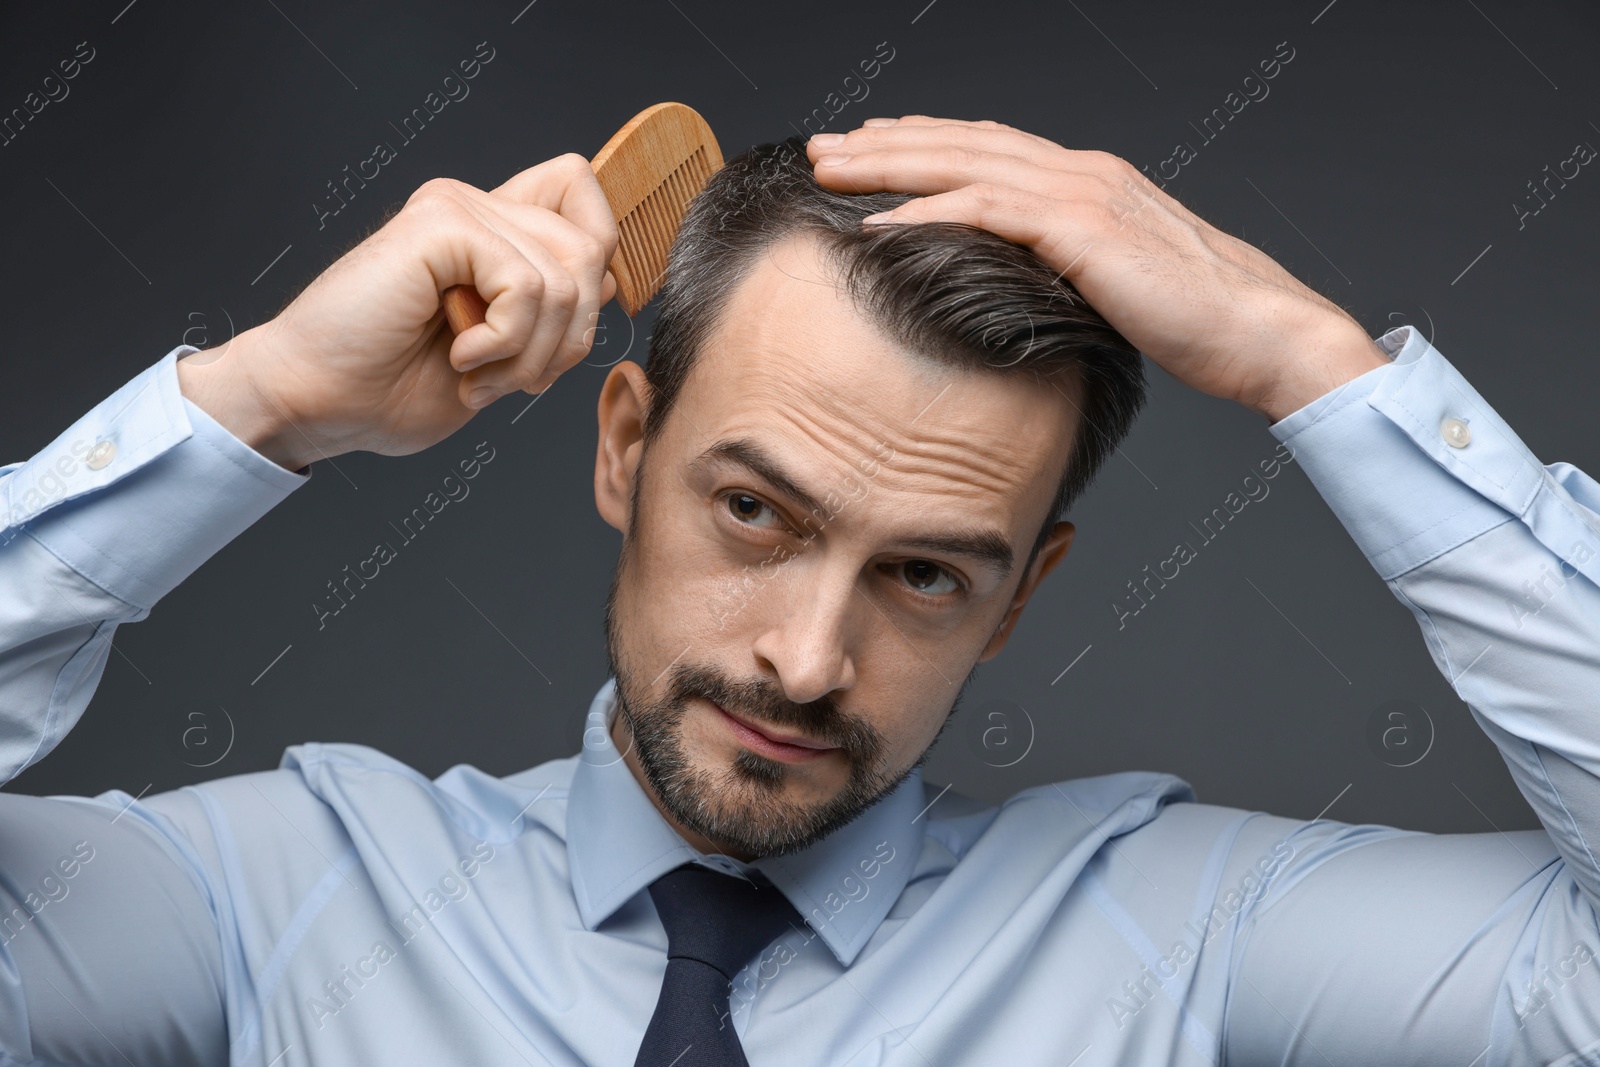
(794, 366)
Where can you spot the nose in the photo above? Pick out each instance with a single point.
(808, 637)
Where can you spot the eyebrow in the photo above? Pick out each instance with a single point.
(987, 546)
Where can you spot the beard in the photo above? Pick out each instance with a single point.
(741, 806)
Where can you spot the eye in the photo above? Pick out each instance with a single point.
(750, 511)
(927, 577)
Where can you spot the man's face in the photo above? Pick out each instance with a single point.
(830, 534)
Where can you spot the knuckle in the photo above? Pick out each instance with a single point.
(609, 241)
(1103, 214)
(527, 278)
(527, 377)
(435, 193)
(570, 354)
(1110, 184)
(592, 252)
(562, 292)
(963, 157)
(1111, 165)
(985, 194)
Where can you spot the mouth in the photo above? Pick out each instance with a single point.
(788, 748)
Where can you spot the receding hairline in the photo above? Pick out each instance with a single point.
(833, 262)
(988, 304)
(1065, 381)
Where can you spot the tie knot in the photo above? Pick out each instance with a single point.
(716, 918)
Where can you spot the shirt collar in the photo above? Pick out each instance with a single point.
(618, 843)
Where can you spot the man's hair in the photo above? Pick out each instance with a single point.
(952, 293)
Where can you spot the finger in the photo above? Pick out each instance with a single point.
(1058, 232)
(965, 144)
(558, 293)
(1089, 173)
(935, 168)
(538, 233)
(541, 311)
(585, 259)
(588, 260)
(585, 203)
(579, 334)
(934, 120)
(921, 129)
(543, 184)
(530, 297)
(458, 249)
(590, 326)
(1090, 176)
(963, 127)
(567, 186)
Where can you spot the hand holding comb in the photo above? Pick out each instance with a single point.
(649, 171)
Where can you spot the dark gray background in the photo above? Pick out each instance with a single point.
(144, 208)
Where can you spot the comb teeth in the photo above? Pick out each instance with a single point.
(645, 234)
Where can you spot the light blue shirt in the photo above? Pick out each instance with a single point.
(345, 909)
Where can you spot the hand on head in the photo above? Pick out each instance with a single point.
(1216, 313)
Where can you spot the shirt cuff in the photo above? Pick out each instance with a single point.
(1410, 458)
(144, 488)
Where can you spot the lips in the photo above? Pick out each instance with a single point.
(784, 745)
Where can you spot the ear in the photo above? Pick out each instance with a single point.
(624, 399)
(1054, 550)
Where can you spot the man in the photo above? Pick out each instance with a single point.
(839, 483)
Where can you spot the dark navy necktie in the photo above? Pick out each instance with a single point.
(715, 923)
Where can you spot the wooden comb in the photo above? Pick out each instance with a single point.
(649, 170)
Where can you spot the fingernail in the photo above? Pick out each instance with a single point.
(832, 161)
(827, 140)
(482, 395)
(882, 216)
(880, 122)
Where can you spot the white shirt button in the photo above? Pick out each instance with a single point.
(1455, 432)
(102, 453)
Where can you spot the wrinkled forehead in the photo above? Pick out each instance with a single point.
(793, 363)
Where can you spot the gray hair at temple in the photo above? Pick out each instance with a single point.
(948, 292)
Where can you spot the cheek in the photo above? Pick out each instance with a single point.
(905, 700)
(680, 588)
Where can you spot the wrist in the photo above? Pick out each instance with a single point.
(1318, 361)
(217, 381)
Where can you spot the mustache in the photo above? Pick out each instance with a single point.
(764, 703)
